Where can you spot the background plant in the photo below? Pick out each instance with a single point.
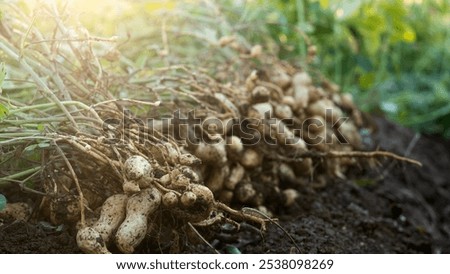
(393, 56)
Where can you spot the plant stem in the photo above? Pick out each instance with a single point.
(24, 139)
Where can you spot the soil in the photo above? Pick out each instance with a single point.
(394, 208)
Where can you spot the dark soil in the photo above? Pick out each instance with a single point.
(394, 208)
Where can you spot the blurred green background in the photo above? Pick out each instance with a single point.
(392, 55)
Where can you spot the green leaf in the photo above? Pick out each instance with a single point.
(31, 147)
(367, 80)
(364, 62)
(365, 182)
(2, 202)
(40, 127)
(4, 111)
(43, 145)
(2, 75)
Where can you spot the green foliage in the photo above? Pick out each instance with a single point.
(231, 249)
(2, 74)
(365, 182)
(392, 55)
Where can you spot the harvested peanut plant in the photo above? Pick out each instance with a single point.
(124, 152)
